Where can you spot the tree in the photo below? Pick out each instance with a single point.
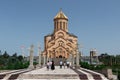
(14, 55)
(20, 58)
(5, 55)
(2, 61)
(12, 62)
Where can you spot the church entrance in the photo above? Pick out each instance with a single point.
(58, 59)
(60, 56)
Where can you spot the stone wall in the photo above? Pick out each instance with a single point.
(107, 72)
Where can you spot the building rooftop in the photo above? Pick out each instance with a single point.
(60, 14)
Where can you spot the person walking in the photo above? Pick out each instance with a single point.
(68, 64)
(61, 63)
(48, 64)
(53, 66)
(64, 64)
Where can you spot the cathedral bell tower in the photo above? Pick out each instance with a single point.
(60, 22)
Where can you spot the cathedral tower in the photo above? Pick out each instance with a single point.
(60, 22)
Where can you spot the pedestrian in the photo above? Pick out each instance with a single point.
(68, 64)
(48, 64)
(52, 66)
(61, 63)
(64, 64)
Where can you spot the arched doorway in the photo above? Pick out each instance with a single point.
(60, 56)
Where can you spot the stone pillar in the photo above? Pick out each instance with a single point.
(39, 53)
(72, 60)
(44, 61)
(39, 59)
(77, 59)
(31, 56)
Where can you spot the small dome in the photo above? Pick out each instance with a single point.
(60, 15)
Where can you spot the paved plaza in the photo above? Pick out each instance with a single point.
(44, 74)
(56, 71)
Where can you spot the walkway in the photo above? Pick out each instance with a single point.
(62, 74)
(44, 74)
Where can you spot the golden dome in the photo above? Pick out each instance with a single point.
(60, 15)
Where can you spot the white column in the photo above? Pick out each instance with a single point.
(31, 56)
(39, 53)
(44, 60)
(77, 58)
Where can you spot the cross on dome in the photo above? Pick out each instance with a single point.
(60, 15)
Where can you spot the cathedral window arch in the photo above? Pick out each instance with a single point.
(60, 50)
(60, 34)
(57, 25)
(64, 25)
(60, 25)
(70, 40)
(61, 43)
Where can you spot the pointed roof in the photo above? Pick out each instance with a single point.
(60, 15)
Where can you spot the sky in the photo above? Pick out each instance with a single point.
(26, 22)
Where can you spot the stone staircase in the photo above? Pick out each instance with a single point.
(6, 75)
(2, 76)
(57, 74)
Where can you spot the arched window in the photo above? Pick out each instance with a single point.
(61, 43)
(60, 25)
(57, 25)
(64, 25)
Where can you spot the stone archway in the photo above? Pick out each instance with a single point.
(60, 56)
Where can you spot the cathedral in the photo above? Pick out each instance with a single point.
(60, 44)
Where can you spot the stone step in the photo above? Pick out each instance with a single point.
(7, 76)
(2, 76)
(49, 76)
(15, 74)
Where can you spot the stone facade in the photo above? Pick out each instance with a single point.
(60, 44)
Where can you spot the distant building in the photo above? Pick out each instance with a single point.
(93, 57)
